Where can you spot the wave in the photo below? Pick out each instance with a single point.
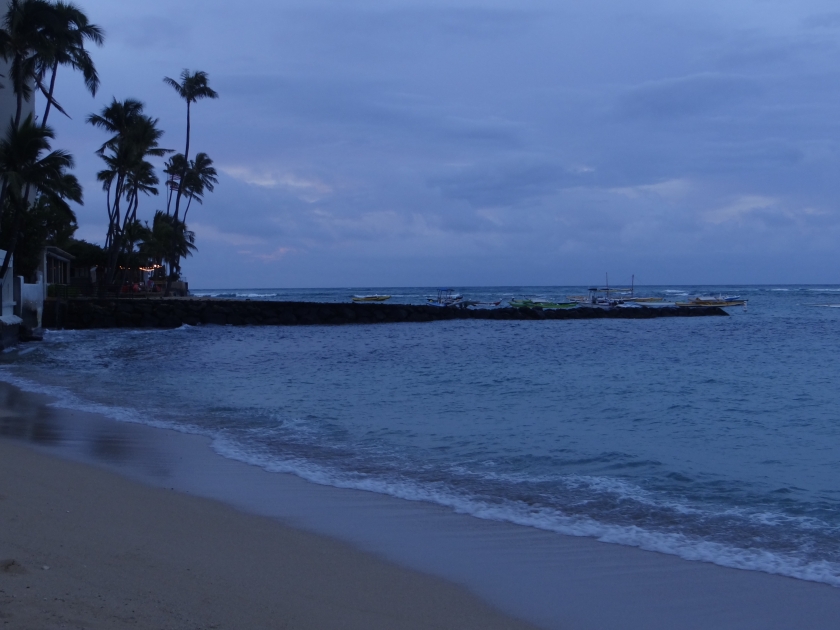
(66, 399)
(234, 295)
(253, 447)
(545, 518)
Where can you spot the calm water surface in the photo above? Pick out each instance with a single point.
(713, 439)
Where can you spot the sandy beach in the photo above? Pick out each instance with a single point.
(85, 548)
(151, 528)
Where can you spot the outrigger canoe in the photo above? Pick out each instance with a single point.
(719, 301)
(544, 304)
(371, 298)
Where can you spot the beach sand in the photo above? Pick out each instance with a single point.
(164, 533)
(81, 547)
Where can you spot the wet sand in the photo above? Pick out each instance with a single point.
(131, 542)
(85, 548)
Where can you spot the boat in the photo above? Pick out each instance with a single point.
(446, 297)
(637, 299)
(722, 301)
(598, 297)
(604, 296)
(370, 298)
(540, 303)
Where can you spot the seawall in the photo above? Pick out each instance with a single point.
(81, 313)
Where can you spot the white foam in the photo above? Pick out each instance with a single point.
(66, 399)
(520, 513)
(687, 547)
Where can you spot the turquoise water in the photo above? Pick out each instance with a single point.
(714, 439)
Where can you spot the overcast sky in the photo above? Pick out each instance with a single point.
(486, 143)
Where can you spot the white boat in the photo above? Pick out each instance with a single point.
(446, 297)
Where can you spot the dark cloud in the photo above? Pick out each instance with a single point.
(823, 20)
(362, 107)
(507, 184)
(686, 96)
(152, 32)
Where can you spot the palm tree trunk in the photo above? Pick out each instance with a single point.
(173, 261)
(114, 234)
(19, 101)
(187, 209)
(168, 197)
(186, 166)
(49, 98)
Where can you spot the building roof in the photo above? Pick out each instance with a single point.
(55, 252)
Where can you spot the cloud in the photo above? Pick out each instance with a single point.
(686, 96)
(823, 20)
(274, 255)
(154, 32)
(208, 232)
(504, 184)
(740, 208)
(383, 140)
(308, 189)
(672, 189)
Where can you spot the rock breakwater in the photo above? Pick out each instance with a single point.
(84, 313)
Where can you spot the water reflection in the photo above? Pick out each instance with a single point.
(25, 416)
(111, 446)
(84, 436)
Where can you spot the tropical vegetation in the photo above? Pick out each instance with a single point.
(37, 38)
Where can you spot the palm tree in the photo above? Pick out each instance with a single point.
(23, 43)
(27, 162)
(173, 169)
(157, 241)
(167, 240)
(66, 35)
(43, 223)
(201, 177)
(127, 173)
(192, 88)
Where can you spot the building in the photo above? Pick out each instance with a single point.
(11, 294)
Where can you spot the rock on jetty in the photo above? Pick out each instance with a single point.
(81, 313)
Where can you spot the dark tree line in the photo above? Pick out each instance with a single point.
(37, 38)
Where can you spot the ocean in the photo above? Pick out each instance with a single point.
(713, 439)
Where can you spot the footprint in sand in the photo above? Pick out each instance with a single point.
(11, 566)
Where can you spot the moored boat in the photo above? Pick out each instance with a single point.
(446, 297)
(721, 301)
(370, 298)
(540, 303)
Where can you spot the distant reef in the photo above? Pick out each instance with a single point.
(82, 313)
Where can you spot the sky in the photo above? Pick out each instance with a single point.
(408, 143)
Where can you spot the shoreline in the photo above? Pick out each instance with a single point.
(552, 580)
(85, 548)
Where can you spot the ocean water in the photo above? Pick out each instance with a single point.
(713, 439)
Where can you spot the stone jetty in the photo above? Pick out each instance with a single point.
(82, 313)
